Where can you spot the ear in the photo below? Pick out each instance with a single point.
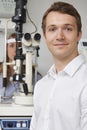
(79, 35)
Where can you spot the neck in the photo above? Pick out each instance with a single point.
(60, 63)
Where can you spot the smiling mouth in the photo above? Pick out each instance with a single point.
(60, 44)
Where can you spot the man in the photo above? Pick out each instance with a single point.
(60, 98)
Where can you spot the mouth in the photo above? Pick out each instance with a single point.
(60, 44)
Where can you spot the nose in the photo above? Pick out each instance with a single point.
(60, 35)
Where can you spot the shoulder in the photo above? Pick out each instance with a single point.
(42, 80)
(41, 83)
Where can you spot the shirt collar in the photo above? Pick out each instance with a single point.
(74, 65)
(52, 71)
(71, 68)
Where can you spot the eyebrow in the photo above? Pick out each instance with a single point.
(53, 25)
(69, 25)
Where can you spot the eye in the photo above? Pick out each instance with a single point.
(68, 28)
(11, 45)
(52, 29)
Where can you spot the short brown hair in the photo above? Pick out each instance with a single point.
(64, 8)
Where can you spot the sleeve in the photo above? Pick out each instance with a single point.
(10, 89)
(84, 109)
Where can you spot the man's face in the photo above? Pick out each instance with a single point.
(62, 35)
(11, 51)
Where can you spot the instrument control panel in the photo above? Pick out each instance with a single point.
(15, 123)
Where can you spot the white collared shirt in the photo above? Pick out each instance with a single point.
(60, 100)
